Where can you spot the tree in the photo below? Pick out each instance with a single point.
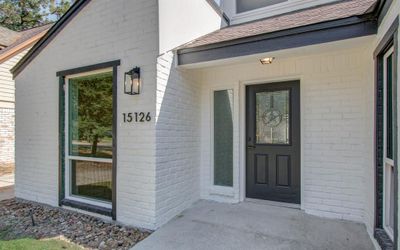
(91, 111)
(24, 14)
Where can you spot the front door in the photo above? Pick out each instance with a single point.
(273, 141)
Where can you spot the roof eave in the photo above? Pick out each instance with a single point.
(329, 31)
(20, 47)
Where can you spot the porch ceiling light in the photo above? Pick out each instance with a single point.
(132, 83)
(267, 60)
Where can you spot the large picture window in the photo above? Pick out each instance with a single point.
(89, 125)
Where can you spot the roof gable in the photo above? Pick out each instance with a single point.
(49, 36)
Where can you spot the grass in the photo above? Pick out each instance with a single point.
(33, 244)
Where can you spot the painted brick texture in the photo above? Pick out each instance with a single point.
(337, 125)
(177, 139)
(164, 165)
(159, 161)
(7, 135)
(105, 30)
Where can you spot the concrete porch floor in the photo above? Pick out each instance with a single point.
(211, 225)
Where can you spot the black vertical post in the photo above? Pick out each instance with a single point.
(61, 139)
(114, 135)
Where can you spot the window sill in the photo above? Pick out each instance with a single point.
(383, 239)
(87, 207)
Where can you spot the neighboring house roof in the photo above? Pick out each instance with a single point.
(49, 36)
(7, 36)
(23, 40)
(318, 14)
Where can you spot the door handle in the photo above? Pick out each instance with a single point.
(251, 146)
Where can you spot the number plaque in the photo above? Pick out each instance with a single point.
(136, 117)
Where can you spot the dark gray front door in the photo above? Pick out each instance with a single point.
(273, 142)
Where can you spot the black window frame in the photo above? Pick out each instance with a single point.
(388, 41)
(62, 201)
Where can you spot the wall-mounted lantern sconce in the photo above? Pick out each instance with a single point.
(132, 83)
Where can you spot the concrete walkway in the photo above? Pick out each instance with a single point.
(210, 225)
(6, 187)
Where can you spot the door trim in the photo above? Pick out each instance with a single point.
(242, 130)
(215, 189)
(294, 145)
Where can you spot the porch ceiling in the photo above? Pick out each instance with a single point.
(321, 24)
(348, 44)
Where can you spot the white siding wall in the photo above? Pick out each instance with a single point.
(7, 84)
(104, 30)
(7, 112)
(178, 139)
(337, 122)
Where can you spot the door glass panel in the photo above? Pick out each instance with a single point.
(91, 179)
(223, 138)
(90, 116)
(272, 117)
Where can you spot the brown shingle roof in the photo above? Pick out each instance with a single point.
(319, 14)
(7, 36)
(25, 35)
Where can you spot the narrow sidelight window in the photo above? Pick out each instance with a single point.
(89, 150)
(223, 138)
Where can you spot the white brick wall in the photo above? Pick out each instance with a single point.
(104, 30)
(7, 123)
(156, 178)
(177, 139)
(337, 123)
(164, 165)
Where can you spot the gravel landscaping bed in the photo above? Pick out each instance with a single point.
(23, 219)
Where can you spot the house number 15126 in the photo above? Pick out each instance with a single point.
(136, 117)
